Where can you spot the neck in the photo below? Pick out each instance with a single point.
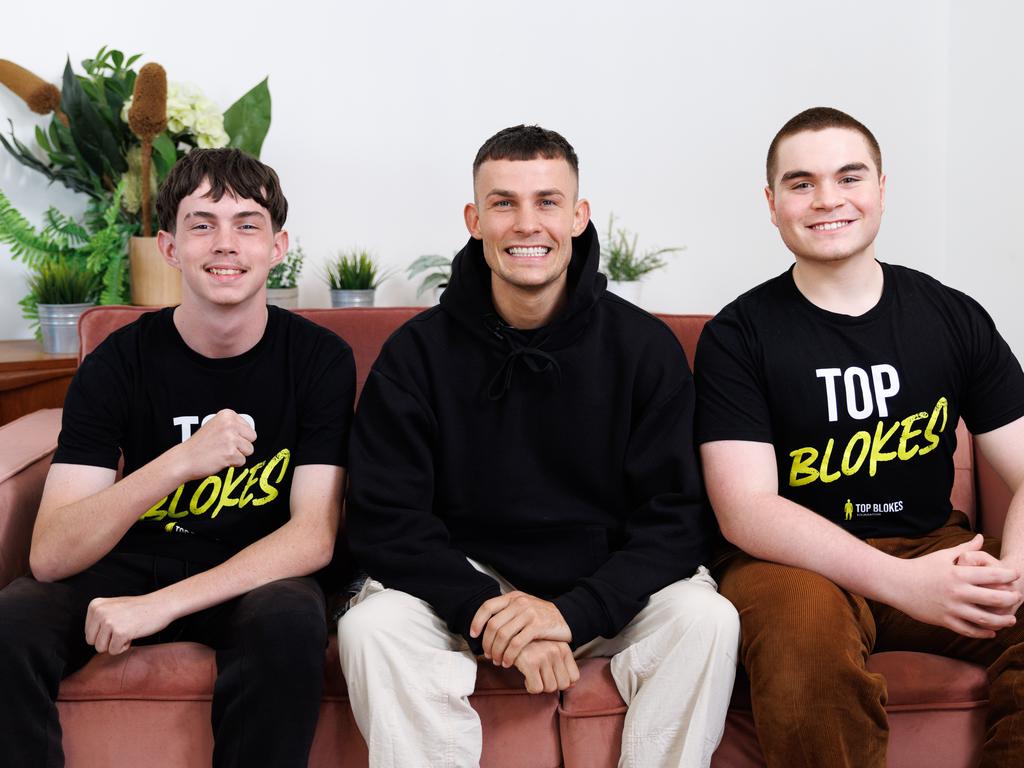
(215, 331)
(847, 287)
(528, 309)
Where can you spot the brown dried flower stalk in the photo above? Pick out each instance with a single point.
(40, 96)
(147, 118)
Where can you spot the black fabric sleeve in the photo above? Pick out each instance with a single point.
(994, 395)
(393, 532)
(669, 529)
(731, 402)
(95, 414)
(325, 415)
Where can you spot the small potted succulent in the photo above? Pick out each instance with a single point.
(353, 277)
(624, 266)
(63, 290)
(283, 280)
(439, 273)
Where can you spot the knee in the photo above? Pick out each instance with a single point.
(698, 608)
(24, 605)
(376, 621)
(289, 613)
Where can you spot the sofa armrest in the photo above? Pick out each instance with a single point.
(26, 448)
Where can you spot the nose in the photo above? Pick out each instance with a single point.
(527, 221)
(225, 241)
(827, 197)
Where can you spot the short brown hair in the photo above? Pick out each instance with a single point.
(227, 170)
(526, 142)
(818, 119)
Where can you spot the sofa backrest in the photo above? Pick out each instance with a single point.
(366, 330)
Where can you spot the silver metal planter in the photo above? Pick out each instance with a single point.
(59, 324)
(286, 298)
(352, 298)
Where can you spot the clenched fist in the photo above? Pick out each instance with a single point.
(224, 441)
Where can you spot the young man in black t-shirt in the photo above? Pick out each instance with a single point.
(232, 418)
(828, 400)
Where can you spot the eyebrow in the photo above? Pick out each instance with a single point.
(539, 193)
(848, 168)
(211, 215)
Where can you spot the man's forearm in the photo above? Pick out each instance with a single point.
(778, 530)
(67, 538)
(298, 548)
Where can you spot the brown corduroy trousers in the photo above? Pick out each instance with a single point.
(805, 642)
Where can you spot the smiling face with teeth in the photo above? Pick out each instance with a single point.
(224, 249)
(526, 213)
(827, 196)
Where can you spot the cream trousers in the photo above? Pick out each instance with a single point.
(409, 678)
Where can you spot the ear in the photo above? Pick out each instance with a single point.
(165, 242)
(881, 190)
(580, 217)
(770, 196)
(280, 247)
(472, 217)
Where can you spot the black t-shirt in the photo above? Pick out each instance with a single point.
(861, 411)
(143, 391)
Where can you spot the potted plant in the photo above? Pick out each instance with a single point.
(353, 278)
(113, 125)
(65, 249)
(283, 280)
(623, 266)
(63, 290)
(436, 279)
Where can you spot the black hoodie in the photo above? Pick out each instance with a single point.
(563, 457)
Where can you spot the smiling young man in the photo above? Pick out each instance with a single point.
(828, 400)
(524, 486)
(232, 419)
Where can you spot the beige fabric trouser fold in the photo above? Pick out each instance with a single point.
(409, 678)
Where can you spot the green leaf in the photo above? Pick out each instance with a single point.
(248, 119)
(88, 129)
(165, 155)
(117, 57)
(42, 140)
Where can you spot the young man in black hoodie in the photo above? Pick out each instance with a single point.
(524, 486)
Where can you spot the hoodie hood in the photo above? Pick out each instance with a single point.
(468, 300)
(468, 295)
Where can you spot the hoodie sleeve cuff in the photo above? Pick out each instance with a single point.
(466, 614)
(583, 613)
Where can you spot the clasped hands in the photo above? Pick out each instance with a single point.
(964, 589)
(517, 629)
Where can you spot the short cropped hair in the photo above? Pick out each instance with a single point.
(526, 142)
(227, 170)
(818, 119)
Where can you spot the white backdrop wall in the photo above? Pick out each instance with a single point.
(378, 109)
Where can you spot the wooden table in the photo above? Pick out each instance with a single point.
(30, 380)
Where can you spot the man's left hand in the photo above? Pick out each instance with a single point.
(111, 623)
(981, 557)
(512, 621)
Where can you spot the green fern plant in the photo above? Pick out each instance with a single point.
(96, 245)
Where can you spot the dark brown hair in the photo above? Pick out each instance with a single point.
(227, 170)
(526, 142)
(818, 119)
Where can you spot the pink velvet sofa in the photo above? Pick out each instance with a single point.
(151, 706)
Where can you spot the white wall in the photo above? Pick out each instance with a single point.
(379, 108)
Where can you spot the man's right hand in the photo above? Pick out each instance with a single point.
(941, 589)
(548, 666)
(224, 441)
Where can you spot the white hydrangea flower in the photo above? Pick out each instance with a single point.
(189, 111)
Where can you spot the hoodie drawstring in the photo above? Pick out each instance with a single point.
(537, 360)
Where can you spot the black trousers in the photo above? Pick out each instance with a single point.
(270, 659)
